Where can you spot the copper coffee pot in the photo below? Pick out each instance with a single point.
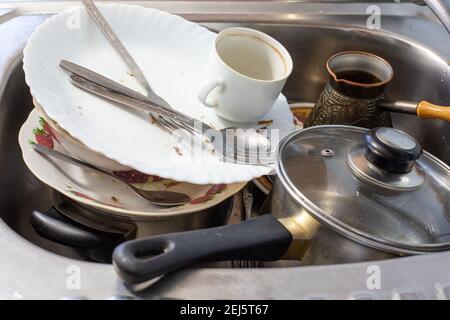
(354, 94)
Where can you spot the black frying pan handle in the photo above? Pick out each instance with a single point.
(262, 238)
(53, 225)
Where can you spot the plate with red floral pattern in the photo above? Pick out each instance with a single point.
(106, 193)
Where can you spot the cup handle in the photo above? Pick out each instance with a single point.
(206, 89)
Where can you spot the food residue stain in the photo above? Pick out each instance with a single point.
(171, 184)
(177, 150)
(266, 122)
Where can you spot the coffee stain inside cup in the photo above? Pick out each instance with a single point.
(253, 37)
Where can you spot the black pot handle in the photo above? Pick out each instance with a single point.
(262, 238)
(54, 226)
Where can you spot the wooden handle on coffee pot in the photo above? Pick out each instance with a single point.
(426, 110)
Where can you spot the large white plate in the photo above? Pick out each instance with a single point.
(172, 53)
(106, 194)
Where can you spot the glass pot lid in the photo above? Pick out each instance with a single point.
(375, 186)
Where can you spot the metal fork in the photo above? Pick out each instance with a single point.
(247, 199)
(225, 150)
(110, 85)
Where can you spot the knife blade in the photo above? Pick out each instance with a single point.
(143, 106)
(110, 84)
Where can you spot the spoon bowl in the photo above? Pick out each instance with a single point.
(160, 198)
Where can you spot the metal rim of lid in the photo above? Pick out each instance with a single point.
(340, 227)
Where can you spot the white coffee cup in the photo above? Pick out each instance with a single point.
(245, 74)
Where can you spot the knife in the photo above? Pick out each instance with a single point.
(123, 99)
(110, 84)
(96, 83)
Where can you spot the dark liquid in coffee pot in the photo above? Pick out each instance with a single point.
(358, 77)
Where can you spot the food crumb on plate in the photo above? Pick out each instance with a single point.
(177, 150)
(265, 122)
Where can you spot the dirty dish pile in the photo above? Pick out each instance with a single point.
(127, 143)
(172, 58)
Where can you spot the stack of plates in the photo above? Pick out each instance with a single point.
(102, 192)
(172, 53)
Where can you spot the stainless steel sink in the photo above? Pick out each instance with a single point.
(411, 40)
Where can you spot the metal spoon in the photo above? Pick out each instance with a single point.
(115, 42)
(160, 198)
(133, 67)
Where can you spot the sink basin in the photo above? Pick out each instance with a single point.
(419, 74)
(420, 66)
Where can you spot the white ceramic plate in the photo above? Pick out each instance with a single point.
(105, 193)
(172, 53)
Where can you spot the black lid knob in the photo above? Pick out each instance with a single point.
(392, 150)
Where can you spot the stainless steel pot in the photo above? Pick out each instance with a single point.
(325, 246)
(342, 194)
